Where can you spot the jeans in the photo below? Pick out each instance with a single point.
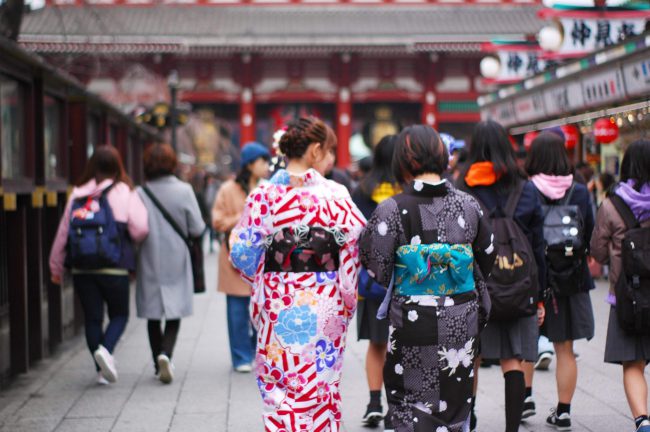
(243, 338)
(94, 290)
(162, 342)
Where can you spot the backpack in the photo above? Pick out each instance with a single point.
(564, 245)
(633, 286)
(94, 239)
(513, 283)
(368, 288)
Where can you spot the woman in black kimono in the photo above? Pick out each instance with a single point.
(433, 242)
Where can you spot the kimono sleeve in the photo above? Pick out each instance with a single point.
(484, 257)
(349, 253)
(247, 239)
(379, 240)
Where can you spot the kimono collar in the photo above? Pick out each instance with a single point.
(308, 178)
(420, 188)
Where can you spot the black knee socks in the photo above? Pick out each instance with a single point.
(375, 398)
(515, 394)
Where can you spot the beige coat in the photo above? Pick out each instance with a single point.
(228, 208)
(607, 239)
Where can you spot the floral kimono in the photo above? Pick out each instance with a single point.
(297, 245)
(434, 242)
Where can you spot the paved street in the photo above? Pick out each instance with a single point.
(60, 394)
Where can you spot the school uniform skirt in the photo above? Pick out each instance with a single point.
(368, 326)
(569, 318)
(517, 338)
(621, 347)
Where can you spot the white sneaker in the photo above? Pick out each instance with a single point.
(165, 369)
(244, 368)
(106, 363)
(101, 380)
(544, 361)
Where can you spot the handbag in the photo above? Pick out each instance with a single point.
(194, 244)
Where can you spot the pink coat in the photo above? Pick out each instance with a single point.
(126, 205)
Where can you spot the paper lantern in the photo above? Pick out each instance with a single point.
(550, 38)
(605, 131)
(571, 136)
(490, 67)
(528, 139)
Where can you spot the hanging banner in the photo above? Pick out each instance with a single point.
(517, 65)
(637, 76)
(585, 35)
(529, 107)
(604, 87)
(563, 98)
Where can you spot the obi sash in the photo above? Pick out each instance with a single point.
(437, 269)
(303, 248)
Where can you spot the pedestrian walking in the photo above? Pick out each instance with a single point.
(296, 243)
(377, 185)
(103, 217)
(434, 244)
(518, 279)
(165, 285)
(226, 212)
(568, 224)
(620, 239)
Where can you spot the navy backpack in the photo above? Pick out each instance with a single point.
(95, 239)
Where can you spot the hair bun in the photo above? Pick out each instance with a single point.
(300, 134)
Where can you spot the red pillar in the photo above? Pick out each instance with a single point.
(429, 98)
(343, 113)
(247, 102)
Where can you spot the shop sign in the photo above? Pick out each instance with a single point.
(603, 87)
(562, 99)
(529, 107)
(516, 65)
(588, 35)
(637, 77)
(503, 113)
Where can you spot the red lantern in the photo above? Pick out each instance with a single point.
(528, 139)
(605, 130)
(571, 136)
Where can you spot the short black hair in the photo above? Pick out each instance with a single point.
(636, 161)
(548, 155)
(419, 150)
(381, 170)
(490, 143)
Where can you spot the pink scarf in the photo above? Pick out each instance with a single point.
(552, 187)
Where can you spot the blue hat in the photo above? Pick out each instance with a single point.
(253, 151)
(456, 145)
(447, 140)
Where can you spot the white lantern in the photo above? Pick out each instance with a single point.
(490, 67)
(550, 38)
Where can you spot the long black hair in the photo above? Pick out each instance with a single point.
(635, 164)
(548, 156)
(381, 170)
(490, 143)
(244, 175)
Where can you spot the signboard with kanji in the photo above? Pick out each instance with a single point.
(637, 76)
(587, 35)
(563, 98)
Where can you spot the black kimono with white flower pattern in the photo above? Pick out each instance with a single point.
(433, 339)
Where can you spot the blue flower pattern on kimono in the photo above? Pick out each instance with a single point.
(247, 251)
(325, 355)
(297, 325)
(322, 277)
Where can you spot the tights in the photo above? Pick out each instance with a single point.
(162, 342)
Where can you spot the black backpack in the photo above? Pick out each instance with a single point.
(633, 285)
(564, 245)
(513, 283)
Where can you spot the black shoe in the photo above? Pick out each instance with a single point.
(560, 422)
(373, 416)
(388, 425)
(529, 408)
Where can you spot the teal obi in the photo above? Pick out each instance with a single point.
(436, 269)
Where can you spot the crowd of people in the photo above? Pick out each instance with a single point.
(450, 255)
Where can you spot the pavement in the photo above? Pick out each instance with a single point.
(60, 394)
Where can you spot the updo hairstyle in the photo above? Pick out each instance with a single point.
(301, 133)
